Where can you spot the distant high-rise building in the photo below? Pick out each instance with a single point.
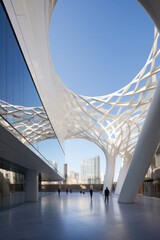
(72, 175)
(89, 171)
(54, 163)
(65, 172)
(77, 177)
(73, 178)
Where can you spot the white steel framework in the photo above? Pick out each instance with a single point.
(113, 122)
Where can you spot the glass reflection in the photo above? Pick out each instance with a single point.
(11, 189)
(18, 95)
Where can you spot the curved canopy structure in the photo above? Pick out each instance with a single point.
(31, 122)
(113, 121)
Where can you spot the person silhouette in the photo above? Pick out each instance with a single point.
(91, 192)
(106, 193)
(59, 191)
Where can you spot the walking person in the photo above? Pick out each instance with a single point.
(91, 192)
(59, 190)
(106, 193)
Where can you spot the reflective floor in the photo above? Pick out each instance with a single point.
(75, 216)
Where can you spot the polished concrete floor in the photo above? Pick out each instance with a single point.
(75, 216)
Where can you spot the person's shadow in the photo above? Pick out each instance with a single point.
(91, 205)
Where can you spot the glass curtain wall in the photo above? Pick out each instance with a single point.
(20, 105)
(11, 189)
(151, 184)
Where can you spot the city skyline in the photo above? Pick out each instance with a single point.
(79, 146)
(73, 177)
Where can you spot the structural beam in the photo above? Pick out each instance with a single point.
(144, 152)
(109, 175)
(123, 172)
(153, 9)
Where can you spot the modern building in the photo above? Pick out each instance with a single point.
(54, 163)
(151, 184)
(89, 171)
(65, 172)
(22, 118)
(35, 105)
(77, 177)
(73, 178)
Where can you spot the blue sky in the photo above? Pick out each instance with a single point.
(97, 47)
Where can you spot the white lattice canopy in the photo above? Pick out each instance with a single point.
(113, 122)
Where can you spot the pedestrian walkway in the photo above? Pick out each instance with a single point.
(75, 216)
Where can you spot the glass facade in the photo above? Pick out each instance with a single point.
(20, 105)
(21, 113)
(151, 184)
(89, 171)
(12, 185)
